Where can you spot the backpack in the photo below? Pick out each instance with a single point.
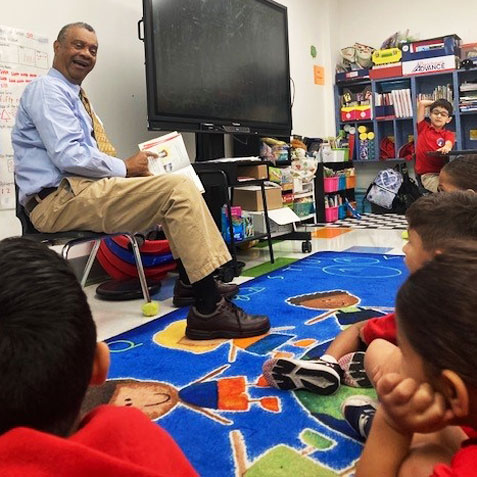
(384, 188)
(392, 191)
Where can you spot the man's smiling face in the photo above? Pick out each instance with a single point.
(75, 54)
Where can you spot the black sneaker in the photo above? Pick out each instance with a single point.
(354, 374)
(319, 377)
(184, 296)
(359, 412)
(227, 321)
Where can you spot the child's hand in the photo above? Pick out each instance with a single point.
(411, 407)
(444, 149)
(426, 102)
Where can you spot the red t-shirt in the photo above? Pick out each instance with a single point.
(462, 464)
(383, 327)
(430, 139)
(111, 442)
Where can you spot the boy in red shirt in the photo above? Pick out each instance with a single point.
(48, 357)
(432, 220)
(433, 137)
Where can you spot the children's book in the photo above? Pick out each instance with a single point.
(172, 157)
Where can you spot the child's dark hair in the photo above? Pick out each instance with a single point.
(462, 172)
(440, 217)
(436, 309)
(442, 103)
(47, 339)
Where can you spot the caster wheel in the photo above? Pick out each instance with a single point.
(306, 247)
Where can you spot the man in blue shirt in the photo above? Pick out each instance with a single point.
(69, 179)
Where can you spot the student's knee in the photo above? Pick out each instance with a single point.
(381, 357)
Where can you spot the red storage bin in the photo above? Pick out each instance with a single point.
(330, 184)
(331, 214)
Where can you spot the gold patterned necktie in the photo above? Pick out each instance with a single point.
(104, 144)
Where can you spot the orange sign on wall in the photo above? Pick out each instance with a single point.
(319, 74)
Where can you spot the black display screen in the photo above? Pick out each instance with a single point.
(216, 63)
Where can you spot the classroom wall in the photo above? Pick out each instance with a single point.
(117, 85)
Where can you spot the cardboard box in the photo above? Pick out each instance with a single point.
(432, 48)
(352, 75)
(387, 71)
(430, 65)
(256, 172)
(250, 198)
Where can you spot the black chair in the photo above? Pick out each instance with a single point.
(75, 237)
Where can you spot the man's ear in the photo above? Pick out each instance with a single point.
(56, 45)
(100, 364)
(455, 393)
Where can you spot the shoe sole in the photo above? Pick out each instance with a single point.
(181, 302)
(211, 335)
(354, 372)
(292, 375)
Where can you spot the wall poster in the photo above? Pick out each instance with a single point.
(23, 57)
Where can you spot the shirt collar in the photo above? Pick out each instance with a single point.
(56, 74)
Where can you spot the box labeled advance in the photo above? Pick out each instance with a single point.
(430, 65)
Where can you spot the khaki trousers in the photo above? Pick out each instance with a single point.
(136, 204)
(430, 181)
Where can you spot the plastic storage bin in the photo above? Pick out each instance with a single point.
(330, 184)
(341, 182)
(331, 214)
(350, 182)
(342, 211)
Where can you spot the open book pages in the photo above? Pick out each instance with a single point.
(172, 157)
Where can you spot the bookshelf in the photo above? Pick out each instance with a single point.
(458, 86)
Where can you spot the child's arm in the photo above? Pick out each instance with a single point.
(380, 460)
(421, 109)
(406, 407)
(347, 341)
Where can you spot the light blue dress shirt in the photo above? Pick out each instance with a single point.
(53, 138)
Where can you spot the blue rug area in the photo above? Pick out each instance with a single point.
(211, 396)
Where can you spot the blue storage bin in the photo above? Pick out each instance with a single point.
(342, 183)
(342, 211)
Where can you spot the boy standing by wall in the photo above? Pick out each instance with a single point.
(433, 137)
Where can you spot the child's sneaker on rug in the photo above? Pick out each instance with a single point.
(359, 412)
(319, 377)
(354, 374)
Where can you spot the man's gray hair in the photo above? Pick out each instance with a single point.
(63, 31)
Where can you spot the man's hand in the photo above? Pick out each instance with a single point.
(137, 165)
(411, 407)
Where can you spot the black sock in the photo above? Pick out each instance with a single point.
(182, 272)
(206, 295)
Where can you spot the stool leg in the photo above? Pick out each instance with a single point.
(140, 268)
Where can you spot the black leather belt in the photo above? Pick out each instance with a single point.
(39, 196)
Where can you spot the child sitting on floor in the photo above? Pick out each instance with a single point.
(48, 356)
(436, 387)
(459, 174)
(432, 220)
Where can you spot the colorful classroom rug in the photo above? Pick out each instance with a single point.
(211, 395)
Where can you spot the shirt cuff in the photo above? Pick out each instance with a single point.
(119, 168)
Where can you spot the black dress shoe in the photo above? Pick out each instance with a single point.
(184, 295)
(227, 321)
